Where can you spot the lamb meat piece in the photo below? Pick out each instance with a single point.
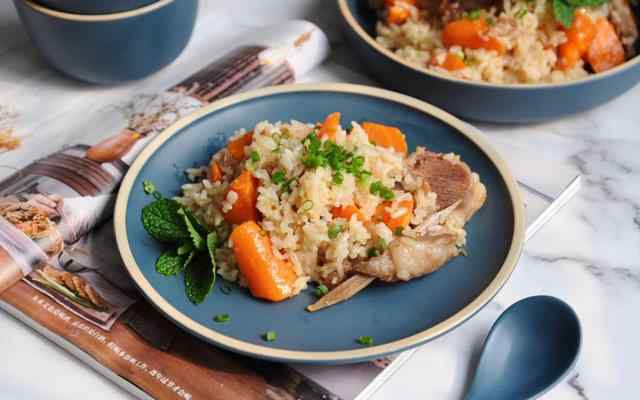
(446, 176)
(623, 18)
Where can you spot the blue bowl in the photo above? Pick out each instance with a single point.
(397, 316)
(110, 48)
(94, 6)
(479, 100)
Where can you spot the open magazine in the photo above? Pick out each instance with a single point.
(61, 274)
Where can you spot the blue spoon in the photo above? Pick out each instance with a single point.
(529, 349)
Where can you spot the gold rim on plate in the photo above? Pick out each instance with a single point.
(323, 356)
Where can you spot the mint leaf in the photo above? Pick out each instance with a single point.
(162, 221)
(185, 248)
(563, 12)
(191, 223)
(169, 263)
(199, 278)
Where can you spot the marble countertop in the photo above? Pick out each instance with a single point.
(587, 255)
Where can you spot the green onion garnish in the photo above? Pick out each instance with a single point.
(365, 340)
(321, 290)
(270, 336)
(307, 205)
(334, 230)
(255, 157)
(381, 190)
(278, 177)
(222, 318)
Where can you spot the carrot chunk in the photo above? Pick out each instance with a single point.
(347, 211)
(236, 146)
(395, 220)
(470, 34)
(330, 126)
(579, 38)
(605, 51)
(397, 15)
(215, 172)
(386, 136)
(452, 62)
(268, 277)
(244, 208)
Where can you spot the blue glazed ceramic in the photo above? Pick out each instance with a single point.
(530, 348)
(110, 48)
(397, 316)
(479, 100)
(94, 6)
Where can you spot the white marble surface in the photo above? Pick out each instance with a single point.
(587, 255)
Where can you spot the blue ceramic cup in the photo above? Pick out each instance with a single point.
(94, 6)
(110, 48)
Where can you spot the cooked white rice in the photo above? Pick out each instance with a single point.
(298, 222)
(530, 39)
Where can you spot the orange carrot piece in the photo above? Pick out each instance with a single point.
(236, 146)
(582, 31)
(470, 34)
(347, 211)
(397, 15)
(330, 126)
(579, 38)
(215, 172)
(268, 277)
(568, 55)
(452, 62)
(605, 51)
(386, 136)
(244, 208)
(397, 221)
(390, 3)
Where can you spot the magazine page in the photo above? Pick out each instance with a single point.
(60, 269)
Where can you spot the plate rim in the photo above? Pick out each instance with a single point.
(341, 356)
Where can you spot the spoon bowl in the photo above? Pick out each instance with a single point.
(529, 349)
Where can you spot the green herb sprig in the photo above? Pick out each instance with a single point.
(193, 246)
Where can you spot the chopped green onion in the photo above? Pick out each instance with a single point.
(270, 336)
(473, 14)
(491, 21)
(521, 13)
(338, 178)
(373, 252)
(365, 340)
(278, 177)
(307, 205)
(321, 290)
(334, 230)
(148, 187)
(398, 231)
(255, 157)
(382, 191)
(222, 318)
(382, 245)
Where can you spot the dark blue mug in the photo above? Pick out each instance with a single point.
(110, 48)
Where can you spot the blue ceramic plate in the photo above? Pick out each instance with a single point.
(397, 316)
